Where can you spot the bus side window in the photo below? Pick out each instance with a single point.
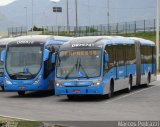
(120, 55)
(110, 64)
(48, 65)
(131, 54)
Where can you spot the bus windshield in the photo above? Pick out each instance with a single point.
(24, 62)
(79, 64)
(1, 63)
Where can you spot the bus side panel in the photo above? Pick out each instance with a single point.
(138, 63)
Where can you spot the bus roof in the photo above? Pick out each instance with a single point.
(59, 40)
(40, 38)
(143, 41)
(96, 41)
(5, 41)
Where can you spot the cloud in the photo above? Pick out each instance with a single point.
(6, 2)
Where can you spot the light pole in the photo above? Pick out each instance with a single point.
(89, 16)
(157, 34)
(76, 10)
(26, 17)
(32, 16)
(67, 18)
(108, 14)
(56, 1)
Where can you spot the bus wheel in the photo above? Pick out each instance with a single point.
(72, 97)
(21, 93)
(111, 90)
(129, 85)
(148, 80)
(2, 87)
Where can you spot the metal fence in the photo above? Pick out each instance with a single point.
(94, 30)
(115, 28)
(17, 31)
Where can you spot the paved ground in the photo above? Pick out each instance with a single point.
(141, 104)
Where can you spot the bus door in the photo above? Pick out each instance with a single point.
(138, 62)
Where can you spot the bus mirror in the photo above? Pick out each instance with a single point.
(3, 55)
(106, 57)
(46, 55)
(53, 58)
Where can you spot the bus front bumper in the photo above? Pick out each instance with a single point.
(29, 87)
(95, 90)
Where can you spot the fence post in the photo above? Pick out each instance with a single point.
(52, 31)
(144, 26)
(126, 27)
(8, 32)
(21, 31)
(129, 28)
(42, 30)
(12, 31)
(93, 30)
(154, 25)
(16, 31)
(117, 28)
(101, 30)
(135, 27)
(79, 31)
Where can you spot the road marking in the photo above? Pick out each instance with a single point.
(17, 118)
(121, 97)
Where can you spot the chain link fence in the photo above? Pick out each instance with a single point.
(94, 30)
(17, 31)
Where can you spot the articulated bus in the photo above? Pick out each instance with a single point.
(104, 65)
(28, 63)
(3, 43)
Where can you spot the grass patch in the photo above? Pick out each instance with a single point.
(11, 122)
(146, 35)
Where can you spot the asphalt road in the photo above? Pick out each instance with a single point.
(141, 104)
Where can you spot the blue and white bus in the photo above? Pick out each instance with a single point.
(3, 43)
(28, 63)
(103, 65)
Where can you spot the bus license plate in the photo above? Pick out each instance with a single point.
(21, 87)
(76, 91)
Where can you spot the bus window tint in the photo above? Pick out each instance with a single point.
(110, 64)
(131, 57)
(146, 54)
(79, 63)
(120, 55)
(22, 58)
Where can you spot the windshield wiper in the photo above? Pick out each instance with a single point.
(75, 66)
(80, 65)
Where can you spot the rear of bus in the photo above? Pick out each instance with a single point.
(28, 64)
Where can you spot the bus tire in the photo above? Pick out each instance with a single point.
(129, 85)
(21, 93)
(148, 80)
(2, 87)
(111, 89)
(71, 97)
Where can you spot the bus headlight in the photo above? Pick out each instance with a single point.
(96, 83)
(58, 84)
(38, 80)
(7, 81)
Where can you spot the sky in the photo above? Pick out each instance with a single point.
(90, 12)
